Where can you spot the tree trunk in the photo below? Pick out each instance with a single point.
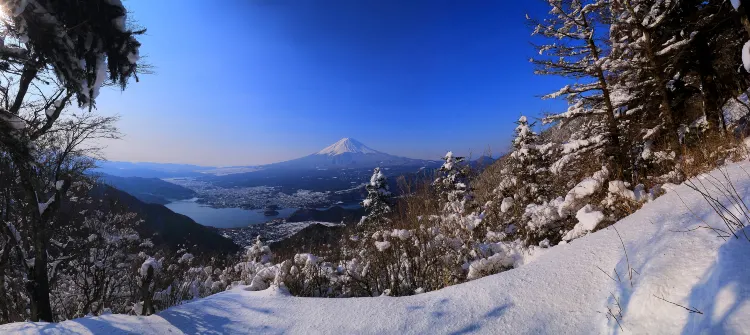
(613, 148)
(712, 107)
(146, 294)
(4, 258)
(41, 309)
(666, 107)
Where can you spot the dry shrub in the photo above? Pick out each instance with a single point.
(708, 151)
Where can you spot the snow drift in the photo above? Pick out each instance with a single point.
(580, 287)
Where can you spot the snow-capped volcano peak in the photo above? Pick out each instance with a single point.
(347, 145)
(349, 153)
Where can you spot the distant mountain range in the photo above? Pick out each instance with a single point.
(347, 153)
(150, 170)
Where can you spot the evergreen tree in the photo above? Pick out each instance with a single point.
(452, 184)
(377, 203)
(648, 53)
(526, 173)
(576, 51)
(100, 47)
(460, 214)
(259, 252)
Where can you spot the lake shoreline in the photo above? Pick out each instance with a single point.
(233, 217)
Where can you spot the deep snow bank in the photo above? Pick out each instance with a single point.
(564, 291)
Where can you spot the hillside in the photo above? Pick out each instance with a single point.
(334, 214)
(313, 239)
(167, 227)
(150, 190)
(672, 259)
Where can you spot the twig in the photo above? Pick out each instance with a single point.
(691, 310)
(695, 215)
(619, 307)
(618, 276)
(610, 277)
(615, 317)
(630, 269)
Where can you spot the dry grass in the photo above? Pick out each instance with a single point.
(704, 153)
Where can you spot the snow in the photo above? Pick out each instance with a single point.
(574, 145)
(584, 189)
(588, 219)
(735, 109)
(91, 91)
(619, 188)
(50, 111)
(382, 246)
(347, 145)
(186, 258)
(506, 204)
(14, 232)
(21, 6)
(402, 234)
(568, 289)
(15, 122)
(746, 56)
(43, 206)
(149, 263)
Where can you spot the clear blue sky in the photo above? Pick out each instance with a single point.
(242, 82)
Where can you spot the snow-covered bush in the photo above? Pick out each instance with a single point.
(93, 276)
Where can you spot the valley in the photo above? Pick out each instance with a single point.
(236, 197)
(314, 195)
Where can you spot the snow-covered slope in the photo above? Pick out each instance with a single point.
(348, 153)
(347, 145)
(569, 289)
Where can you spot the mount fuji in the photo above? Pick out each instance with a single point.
(349, 153)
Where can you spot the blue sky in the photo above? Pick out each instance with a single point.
(243, 82)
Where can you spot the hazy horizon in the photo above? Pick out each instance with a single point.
(272, 81)
(470, 156)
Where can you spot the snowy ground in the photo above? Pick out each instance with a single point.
(562, 292)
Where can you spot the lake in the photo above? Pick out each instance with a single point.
(223, 217)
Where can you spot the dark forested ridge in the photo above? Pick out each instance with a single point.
(335, 214)
(165, 226)
(150, 190)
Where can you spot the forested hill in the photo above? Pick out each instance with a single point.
(150, 190)
(166, 227)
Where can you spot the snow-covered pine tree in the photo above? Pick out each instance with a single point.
(525, 178)
(705, 39)
(100, 48)
(377, 204)
(648, 51)
(575, 50)
(259, 252)
(460, 215)
(452, 184)
(373, 248)
(527, 163)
